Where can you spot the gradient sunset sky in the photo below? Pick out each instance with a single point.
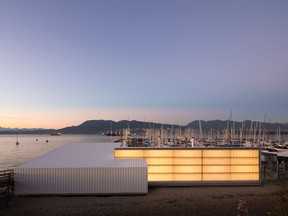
(66, 61)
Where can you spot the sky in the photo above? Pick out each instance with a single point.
(63, 62)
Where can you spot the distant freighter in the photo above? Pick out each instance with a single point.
(111, 134)
(55, 134)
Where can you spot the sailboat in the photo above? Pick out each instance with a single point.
(111, 133)
(17, 142)
(47, 139)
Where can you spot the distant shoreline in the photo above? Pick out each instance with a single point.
(105, 126)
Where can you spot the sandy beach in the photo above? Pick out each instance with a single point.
(271, 198)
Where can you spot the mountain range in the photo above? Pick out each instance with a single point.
(106, 126)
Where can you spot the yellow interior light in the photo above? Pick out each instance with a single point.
(216, 177)
(135, 153)
(160, 169)
(216, 161)
(216, 153)
(187, 177)
(160, 177)
(159, 161)
(187, 154)
(216, 169)
(245, 153)
(245, 176)
(187, 169)
(187, 161)
(245, 161)
(168, 165)
(158, 153)
(245, 169)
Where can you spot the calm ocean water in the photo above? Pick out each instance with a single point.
(32, 146)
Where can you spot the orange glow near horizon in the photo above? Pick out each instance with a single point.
(46, 123)
(56, 118)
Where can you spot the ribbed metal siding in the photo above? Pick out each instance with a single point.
(74, 155)
(72, 171)
(99, 180)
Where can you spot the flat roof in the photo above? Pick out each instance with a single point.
(82, 155)
(282, 154)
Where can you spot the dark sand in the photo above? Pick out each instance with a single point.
(271, 198)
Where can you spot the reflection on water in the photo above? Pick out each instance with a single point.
(31, 146)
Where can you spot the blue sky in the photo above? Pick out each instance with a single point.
(67, 61)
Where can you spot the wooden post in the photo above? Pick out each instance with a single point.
(264, 171)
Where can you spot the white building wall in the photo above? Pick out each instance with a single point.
(81, 169)
(37, 181)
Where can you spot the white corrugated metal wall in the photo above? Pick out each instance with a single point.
(81, 169)
(98, 180)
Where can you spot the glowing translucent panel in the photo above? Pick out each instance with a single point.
(216, 161)
(216, 177)
(160, 177)
(187, 161)
(128, 153)
(216, 169)
(248, 161)
(187, 169)
(197, 164)
(160, 169)
(244, 168)
(159, 161)
(187, 153)
(187, 177)
(245, 153)
(158, 153)
(245, 176)
(216, 153)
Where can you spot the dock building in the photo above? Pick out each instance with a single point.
(106, 168)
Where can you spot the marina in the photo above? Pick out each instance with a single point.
(32, 147)
(69, 167)
(144, 108)
(192, 137)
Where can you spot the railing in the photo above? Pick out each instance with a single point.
(281, 171)
(6, 186)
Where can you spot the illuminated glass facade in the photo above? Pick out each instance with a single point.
(198, 165)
